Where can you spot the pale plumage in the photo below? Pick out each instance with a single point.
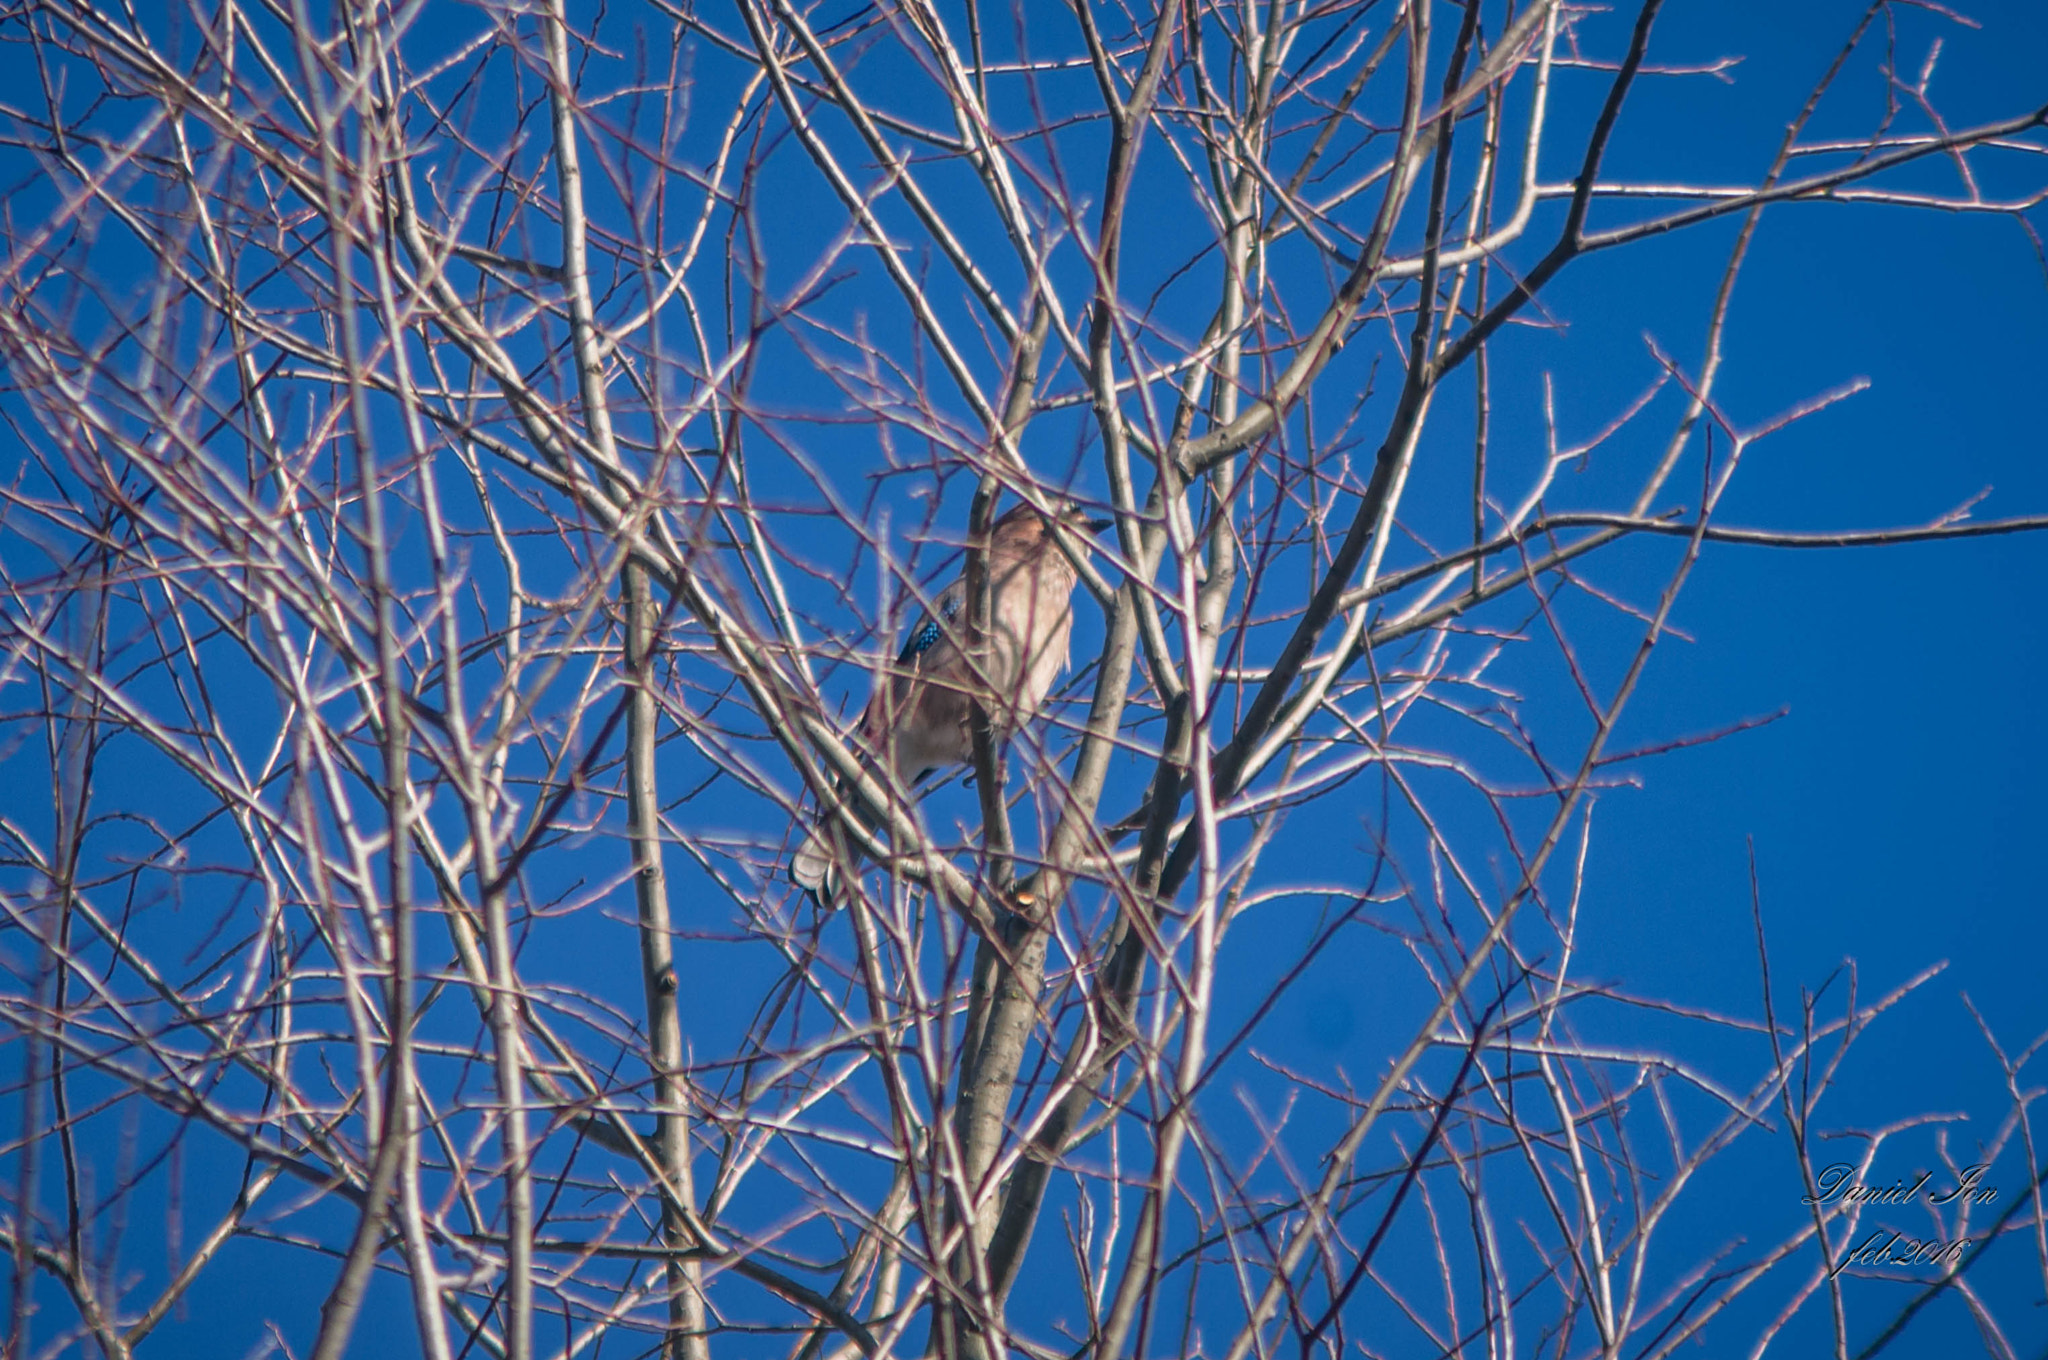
(920, 717)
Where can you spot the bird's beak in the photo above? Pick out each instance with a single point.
(1096, 526)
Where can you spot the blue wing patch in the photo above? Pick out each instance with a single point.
(926, 635)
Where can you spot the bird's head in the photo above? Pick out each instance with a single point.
(1077, 516)
(1022, 527)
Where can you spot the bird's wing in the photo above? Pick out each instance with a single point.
(908, 701)
(931, 629)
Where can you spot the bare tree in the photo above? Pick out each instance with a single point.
(468, 461)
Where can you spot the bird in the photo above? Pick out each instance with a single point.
(919, 717)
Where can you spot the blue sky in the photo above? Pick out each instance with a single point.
(1897, 808)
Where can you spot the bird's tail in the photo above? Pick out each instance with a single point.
(814, 867)
(817, 865)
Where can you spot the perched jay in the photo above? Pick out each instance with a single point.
(920, 716)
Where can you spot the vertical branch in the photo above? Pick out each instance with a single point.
(687, 1339)
(28, 1166)
(989, 774)
(1006, 995)
(1009, 970)
(1482, 396)
(345, 1301)
(76, 747)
